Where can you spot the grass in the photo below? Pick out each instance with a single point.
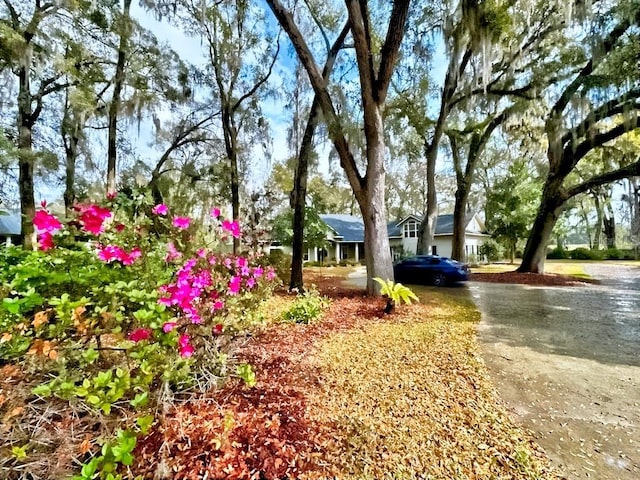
(559, 267)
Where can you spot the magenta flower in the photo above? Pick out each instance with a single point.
(234, 285)
(186, 351)
(218, 305)
(140, 334)
(182, 222)
(271, 274)
(185, 348)
(232, 227)
(92, 218)
(215, 213)
(45, 222)
(251, 282)
(218, 329)
(120, 227)
(168, 326)
(45, 241)
(172, 253)
(160, 209)
(257, 272)
(109, 253)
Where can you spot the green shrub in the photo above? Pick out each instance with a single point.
(558, 253)
(490, 250)
(613, 254)
(586, 254)
(281, 263)
(307, 308)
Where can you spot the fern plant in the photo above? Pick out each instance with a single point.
(395, 293)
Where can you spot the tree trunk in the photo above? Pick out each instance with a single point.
(459, 222)
(299, 195)
(25, 122)
(71, 155)
(549, 211)
(377, 252)
(428, 225)
(114, 107)
(609, 224)
(597, 235)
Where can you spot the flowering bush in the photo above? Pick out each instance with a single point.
(126, 300)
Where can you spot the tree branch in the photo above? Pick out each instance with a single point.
(601, 49)
(261, 81)
(391, 47)
(318, 83)
(600, 139)
(630, 170)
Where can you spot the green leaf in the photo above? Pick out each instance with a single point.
(144, 423)
(43, 390)
(20, 453)
(140, 400)
(246, 373)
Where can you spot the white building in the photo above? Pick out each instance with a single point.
(345, 238)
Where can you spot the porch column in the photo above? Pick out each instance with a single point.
(338, 257)
(357, 252)
(315, 254)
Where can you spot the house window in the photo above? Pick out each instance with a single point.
(434, 250)
(306, 257)
(410, 229)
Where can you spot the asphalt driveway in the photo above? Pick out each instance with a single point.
(566, 360)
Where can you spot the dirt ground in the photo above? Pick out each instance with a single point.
(566, 361)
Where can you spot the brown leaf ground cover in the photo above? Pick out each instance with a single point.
(357, 395)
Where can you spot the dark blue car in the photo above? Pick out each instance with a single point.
(431, 269)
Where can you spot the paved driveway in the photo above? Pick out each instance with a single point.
(567, 362)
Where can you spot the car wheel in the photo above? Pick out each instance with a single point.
(439, 279)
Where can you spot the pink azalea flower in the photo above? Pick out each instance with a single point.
(186, 351)
(218, 305)
(271, 274)
(185, 348)
(227, 262)
(172, 253)
(43, 204)
(202, 252)
(140, 334)
(251, 282)
(168, 326)
(181, 222)
(213, 260)
(215, 213)
(92, 218)
(257, 272)
(112, 195)
(45, 222)
(160, 209)
(120, 227)
(45, 241)
(218, 329)
(234, 285)
(245, 271)
(232, 227)
(241, 262)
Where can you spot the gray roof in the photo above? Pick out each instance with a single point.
(444, 225)
(10, 224)
(350, 228)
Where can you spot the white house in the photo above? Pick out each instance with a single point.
(345, 237)
(403, 236)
